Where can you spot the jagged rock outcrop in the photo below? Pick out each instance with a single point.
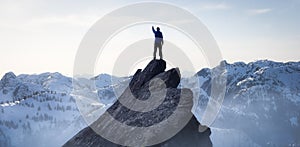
(164, 111)
(8, 80)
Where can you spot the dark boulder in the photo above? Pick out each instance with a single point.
(154, 68)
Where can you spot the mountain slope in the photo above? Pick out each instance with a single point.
(260, 108)
(150, 127)
(40, 110)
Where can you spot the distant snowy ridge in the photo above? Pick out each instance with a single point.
(262, 101)
(35, 108)
(262, 104)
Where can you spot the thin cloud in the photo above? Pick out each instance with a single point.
(76, 20)
(215, 6)
(259, 11)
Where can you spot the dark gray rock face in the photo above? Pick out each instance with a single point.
(154, 68)
(149, 85)
(189, 136)
(140, 77)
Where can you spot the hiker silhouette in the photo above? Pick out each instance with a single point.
(158, 43)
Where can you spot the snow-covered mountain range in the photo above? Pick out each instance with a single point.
(261, 105)
(40, 110)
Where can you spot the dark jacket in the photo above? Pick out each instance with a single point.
(157, 34)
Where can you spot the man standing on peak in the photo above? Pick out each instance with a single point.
(159, 41)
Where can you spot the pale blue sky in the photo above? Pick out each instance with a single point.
(43, 35)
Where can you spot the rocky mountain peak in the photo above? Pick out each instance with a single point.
(9, 75)
(140, 77)
(8, 80)
(148, 85)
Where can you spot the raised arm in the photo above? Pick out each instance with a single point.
(153, 29)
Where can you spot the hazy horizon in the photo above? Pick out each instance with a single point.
(184, 73)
